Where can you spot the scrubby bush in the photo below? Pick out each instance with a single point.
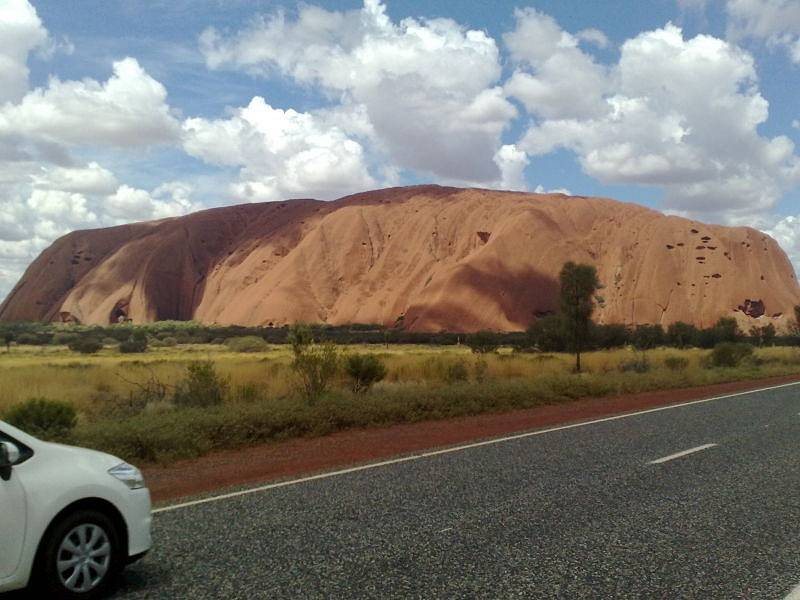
(482, 342)
(682, 335)
(247, 393)
(134, 344)
(646, 337)
(64, 339)
(481, 368)
(201, 387)
(315, 364)
(364, 370)
(639, 363)
(28, 339)
(248, 343)
(47, 419)
(676, 363)
(613, 335)
(548, 334)
(87, 345)
(456, 372)
(730, 354)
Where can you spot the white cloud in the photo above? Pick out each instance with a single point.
(128, 204)
(776, 22)
(91, 179)
(593, 36)
(677, 113)
(512, 162)
(59, 210)
(786, 232)
(281, 153)
(21, 31)
(129, 109)
(428, 88)
(554, 77)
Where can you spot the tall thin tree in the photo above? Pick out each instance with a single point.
(578, 286)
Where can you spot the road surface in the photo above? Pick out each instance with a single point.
(696, 501)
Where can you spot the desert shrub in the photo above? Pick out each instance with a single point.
(247, 393)
(681, 335)
(676, 363)
(27, 339)
(248, 343)
(364, 370)
(315, 364)
(637, 364)
(456, 372)
(482, 342)
(47, 419)
(548, 334)
(136, 343)
(609, 336)
(481, 368)
(202, 386)
(64, 339)
(645, 337)
(730, 354)
(86, 345)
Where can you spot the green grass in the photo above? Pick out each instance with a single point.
(262, 405)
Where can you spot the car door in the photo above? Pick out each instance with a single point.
(13, 518)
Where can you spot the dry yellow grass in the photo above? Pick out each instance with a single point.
(57, 373)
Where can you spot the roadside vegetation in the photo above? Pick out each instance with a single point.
(172, 390)
(182, 401)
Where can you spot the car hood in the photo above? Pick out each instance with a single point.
(100, 459)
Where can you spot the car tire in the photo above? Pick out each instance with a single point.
(79, 558)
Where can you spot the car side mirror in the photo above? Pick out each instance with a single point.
(9, 455)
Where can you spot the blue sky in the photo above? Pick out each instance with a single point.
(114, 111)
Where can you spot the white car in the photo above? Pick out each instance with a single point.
(70, 518)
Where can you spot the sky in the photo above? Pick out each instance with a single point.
(114, 111)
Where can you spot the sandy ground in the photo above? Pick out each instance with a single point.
(304, 456)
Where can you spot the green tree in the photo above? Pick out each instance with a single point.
(8, 337)
(548, 333)
(646, 337)
(482, 342)
(727, 330)
(681, 335)
(763, 336)
(577, 298)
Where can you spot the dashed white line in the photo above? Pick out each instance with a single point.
(280, 484)
(658, 461)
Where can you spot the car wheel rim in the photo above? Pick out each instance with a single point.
(83, 558)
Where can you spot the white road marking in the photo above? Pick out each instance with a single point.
(658, 461)
(500, 440)
(794, 594)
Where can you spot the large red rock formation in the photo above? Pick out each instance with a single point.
(425, 258)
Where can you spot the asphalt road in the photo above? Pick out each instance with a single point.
(575, 513)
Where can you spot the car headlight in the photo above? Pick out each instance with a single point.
(128, 474)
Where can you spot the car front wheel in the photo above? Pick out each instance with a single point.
(80, 557)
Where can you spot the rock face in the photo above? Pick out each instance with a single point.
(424, 258)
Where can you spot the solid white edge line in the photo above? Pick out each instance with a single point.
(394, 461)
(658, 461)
